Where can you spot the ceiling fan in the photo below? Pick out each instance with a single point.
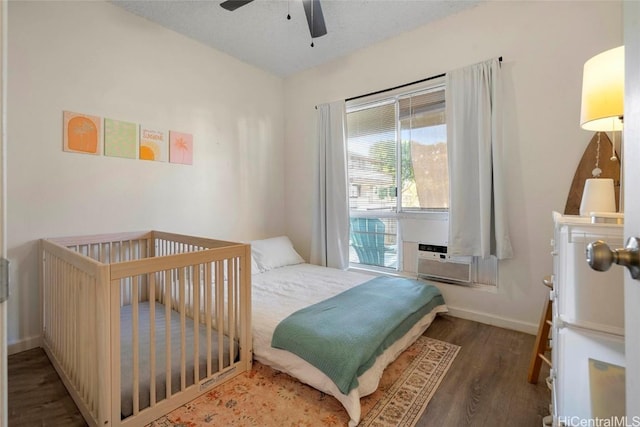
(312, 9)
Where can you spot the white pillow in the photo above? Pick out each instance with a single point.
(274, 252)
(255, 269)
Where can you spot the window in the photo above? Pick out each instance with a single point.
(424, 176)
(397, 165)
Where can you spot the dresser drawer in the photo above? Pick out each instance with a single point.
(583, 296)
(588, 368)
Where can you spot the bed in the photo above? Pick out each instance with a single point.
(137, 324)
(282, 284)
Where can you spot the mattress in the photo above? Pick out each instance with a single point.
(279, 292)
(126, 354)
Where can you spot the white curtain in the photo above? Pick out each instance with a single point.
(477, 212)
(330, 236)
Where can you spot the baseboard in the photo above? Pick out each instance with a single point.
(476, 316)
(490, 319)
(24, 345)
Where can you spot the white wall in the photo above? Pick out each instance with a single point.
(544, 46)
(95, 58)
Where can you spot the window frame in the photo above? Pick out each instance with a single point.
(434, 214)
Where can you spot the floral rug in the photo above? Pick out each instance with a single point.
(265, 397)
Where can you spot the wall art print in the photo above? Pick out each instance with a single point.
(120, 139)
(180, 148)
(82, 133)
(153, 144)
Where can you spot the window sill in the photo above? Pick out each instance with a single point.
(428, 215)
(373, 270)
(474, 286)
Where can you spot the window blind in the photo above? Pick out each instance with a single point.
(372, 157)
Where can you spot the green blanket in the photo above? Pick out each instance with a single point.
(343, 335)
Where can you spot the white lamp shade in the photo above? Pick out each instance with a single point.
(603, 91)
(598, 196)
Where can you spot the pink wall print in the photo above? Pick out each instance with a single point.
(180, 148)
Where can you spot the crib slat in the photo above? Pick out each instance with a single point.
(152, 339)
(208, 314)
(100, 370)
(231, 280)
(68, 325)
(78, 327)
(135, 346)
(220, 311)
(167, 316)
(195, 286)
(244, 293)
(183, 330)
(114, 314)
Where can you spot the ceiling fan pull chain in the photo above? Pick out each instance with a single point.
(312, 23)
(317, 29)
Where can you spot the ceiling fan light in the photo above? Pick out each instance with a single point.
(232, 5)
(315, 18)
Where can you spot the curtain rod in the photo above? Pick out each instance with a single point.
(401, 86)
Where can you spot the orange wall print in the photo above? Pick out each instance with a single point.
(153, 144)
(180, 148)
(82, 133)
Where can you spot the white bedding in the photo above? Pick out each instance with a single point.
(279, 292)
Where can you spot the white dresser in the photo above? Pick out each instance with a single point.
(588, 325)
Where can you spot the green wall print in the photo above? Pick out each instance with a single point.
(120, 139)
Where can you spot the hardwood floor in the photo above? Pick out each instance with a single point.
(486, 385)
(36, 395)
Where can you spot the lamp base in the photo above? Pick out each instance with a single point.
(598, 196)
(607, 217)
(610, 169)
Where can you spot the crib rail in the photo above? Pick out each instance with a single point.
(210, 280)
(88, 283)
(76, 338)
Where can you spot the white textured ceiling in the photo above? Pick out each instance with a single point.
(259, 33)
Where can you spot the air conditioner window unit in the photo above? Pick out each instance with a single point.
(434, 263)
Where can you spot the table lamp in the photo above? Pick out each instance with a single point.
(602, 111)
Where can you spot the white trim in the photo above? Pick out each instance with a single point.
(630, 156)
(24, 345)
(463, 313)
(4, 405)
(492, 319)
(376, 270)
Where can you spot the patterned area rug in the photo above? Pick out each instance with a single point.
(265, 397)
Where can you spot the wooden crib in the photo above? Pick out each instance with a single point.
(137, 324)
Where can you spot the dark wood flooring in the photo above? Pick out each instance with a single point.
(36, 395)
(486, 385)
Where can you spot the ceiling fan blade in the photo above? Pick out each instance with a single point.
(315, 19)
(232, 5)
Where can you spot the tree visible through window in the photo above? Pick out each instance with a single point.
(397, 162)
